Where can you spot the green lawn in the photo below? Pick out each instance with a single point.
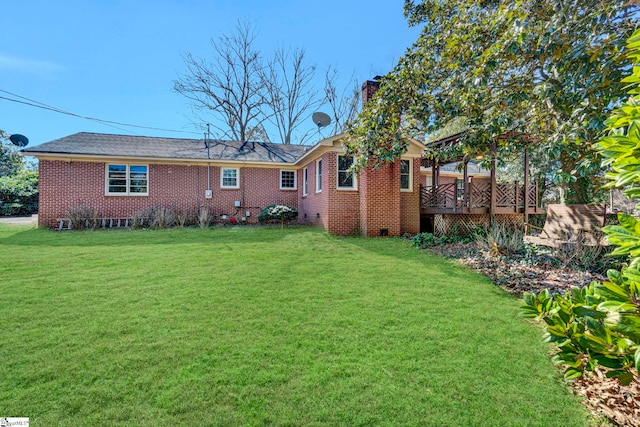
(262, 326)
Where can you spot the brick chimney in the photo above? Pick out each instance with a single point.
(369, 88)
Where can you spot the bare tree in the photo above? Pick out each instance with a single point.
(245, 95)
(231, 86)
(344, 104)
(288, 81)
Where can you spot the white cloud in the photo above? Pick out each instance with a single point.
(23, 64)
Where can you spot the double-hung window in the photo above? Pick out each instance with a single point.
(346, 180)
(319, 176)
(229, 178)
(305, 181)
(127, 180)
(288, 180)
(406, 169)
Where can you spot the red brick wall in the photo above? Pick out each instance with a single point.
(410, 203)
(313, 208)
(343, 205)
(380, 200)
(376, 205)
(65, 185)
(259, 187)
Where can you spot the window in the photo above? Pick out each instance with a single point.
(318, 176)
(305, 181)
(127, 180)
(229, 178)
(287, 180)
(345, 176)
(405, 175)
(460, 189)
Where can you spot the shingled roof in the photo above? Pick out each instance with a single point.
(109, 145)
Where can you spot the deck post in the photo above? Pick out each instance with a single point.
(492, 207)
(470, 201)
(526, 186)
(465, 191)
(516, 207)
(455, 194)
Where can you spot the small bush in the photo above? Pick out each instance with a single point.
(423, 240)
(280, 213)
(161, 217)
(500, 239)
(84, 218)
(180, 217)
(204, 217)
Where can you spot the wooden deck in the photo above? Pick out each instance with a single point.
(475, 198)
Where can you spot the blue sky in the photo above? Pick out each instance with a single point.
(117, 60)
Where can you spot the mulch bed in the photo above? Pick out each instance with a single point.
(604, 397)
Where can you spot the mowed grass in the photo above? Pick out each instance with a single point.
(262, 326)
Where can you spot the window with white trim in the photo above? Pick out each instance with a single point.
(229, 178)
(288, 179)
(406, 169)
(305, 181)
(346, 180)
(319, 176)
(127, 180)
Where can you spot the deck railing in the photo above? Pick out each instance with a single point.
(475, 197)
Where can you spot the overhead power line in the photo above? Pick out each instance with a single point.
(111, 123)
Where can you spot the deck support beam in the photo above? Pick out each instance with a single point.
(492, 206)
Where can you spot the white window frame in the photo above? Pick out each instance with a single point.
(305, 181)
(319, 176)
(354, 181)
(127, 177)
(410, 161)
(295, 179)
(237, 170)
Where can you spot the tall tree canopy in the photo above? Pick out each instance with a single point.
(542, 73)
(11, 161)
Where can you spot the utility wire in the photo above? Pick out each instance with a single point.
(38, 104)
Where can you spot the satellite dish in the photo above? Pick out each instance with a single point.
(19, 140)
(321, 119)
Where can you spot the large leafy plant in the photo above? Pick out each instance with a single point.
(599, 326)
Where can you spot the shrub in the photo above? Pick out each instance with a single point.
(423, 240)
(19, 193)
(593, 326)
(84, 218)
(501, 239)
(204, 217)
(280, 213)
(599, 326)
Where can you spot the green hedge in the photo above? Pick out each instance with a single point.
(19, 194)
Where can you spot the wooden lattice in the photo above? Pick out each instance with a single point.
(467, 225)
(439, 225)
(514, 221)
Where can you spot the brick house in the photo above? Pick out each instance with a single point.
(118, 175)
